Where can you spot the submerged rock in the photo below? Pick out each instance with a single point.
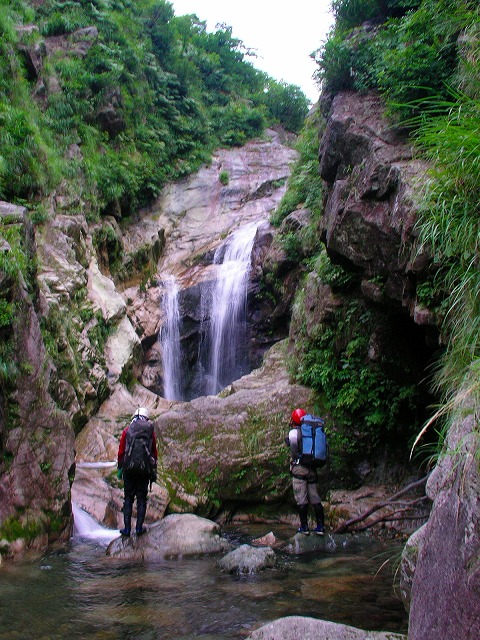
(294, 627)
(329, 543)
(247, 559)
(174, 536)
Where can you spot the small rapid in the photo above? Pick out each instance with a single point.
(88, 528)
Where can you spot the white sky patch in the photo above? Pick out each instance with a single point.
(282, 35)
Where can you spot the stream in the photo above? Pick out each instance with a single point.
(79, 592)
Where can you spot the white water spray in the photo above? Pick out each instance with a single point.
(228, 327)
(87, 527)
(170, 341)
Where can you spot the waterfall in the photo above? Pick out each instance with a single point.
(87, 527)
(170, 341)
(227, 342)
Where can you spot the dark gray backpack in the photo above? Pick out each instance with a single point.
(138, 458)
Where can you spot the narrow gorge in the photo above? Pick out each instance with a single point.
(196, 256)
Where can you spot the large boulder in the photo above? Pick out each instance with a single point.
(442, 564)
(295, 627)
(97, 491)
(174, 536)
(227, 452)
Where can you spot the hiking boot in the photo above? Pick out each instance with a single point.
(125, 533)
(303, 512)
(319, 530)
(141, 531)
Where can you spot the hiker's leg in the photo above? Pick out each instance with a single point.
(320, 517)
(142, 490)
(129, 496)
(303, 513)
(301, 498)
(314, 500)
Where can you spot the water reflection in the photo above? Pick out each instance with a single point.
(81, 593)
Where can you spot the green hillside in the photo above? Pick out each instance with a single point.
(117, 97)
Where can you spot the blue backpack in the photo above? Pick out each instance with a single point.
(312, 441)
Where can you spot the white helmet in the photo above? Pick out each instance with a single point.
(141, 412)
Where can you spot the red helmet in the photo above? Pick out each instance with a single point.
(297, 415)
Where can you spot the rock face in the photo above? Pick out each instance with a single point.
(197, 214)
(175, 536)
(295, 627)
(370, 207)
(443, 565)
(368, 226)
(102, 330)
(36, 438)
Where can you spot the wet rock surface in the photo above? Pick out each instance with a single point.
(248, 560)
(174, 536)
(294, 627)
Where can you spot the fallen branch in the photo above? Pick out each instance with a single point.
(387, 503)
(394, 516)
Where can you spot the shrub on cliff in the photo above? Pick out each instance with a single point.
(126, 96)
(407, 50)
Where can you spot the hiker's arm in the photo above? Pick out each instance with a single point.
(293, 443)
(121, 449)
(154, 447)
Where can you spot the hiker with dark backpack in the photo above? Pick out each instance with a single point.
(137, 464)
(308, 450)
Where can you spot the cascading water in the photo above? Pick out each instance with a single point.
(87, 527)
(227, 341)
(170, 341)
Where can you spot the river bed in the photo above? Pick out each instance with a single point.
(81, 593)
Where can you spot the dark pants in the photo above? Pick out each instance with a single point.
(134, 486)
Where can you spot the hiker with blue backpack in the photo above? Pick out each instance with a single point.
(308, 450)
(137, 464)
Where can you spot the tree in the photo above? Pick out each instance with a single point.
(288, 104)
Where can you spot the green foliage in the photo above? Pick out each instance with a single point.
(351, 13)
(368, 404)
(7, 313)
(149, 99)
(237, 122)
(449, 226)
(12, 529)
(304, 184)
(292, 245)
(287, 104)
(27, 164)
(408, 56)
(224, 177)
(13, 264)
(105, 239)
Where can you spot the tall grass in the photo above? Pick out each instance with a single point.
(450, 227)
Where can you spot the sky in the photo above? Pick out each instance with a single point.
(282, 34)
